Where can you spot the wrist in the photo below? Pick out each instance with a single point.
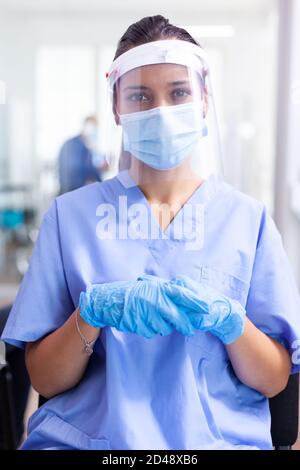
(88, 334)
(92, 332)
(86, 327)
(232, 328)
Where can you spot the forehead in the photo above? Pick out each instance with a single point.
(155, 74)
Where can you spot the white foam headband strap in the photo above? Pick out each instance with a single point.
(170, 51)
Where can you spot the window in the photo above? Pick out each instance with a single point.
(66, 94)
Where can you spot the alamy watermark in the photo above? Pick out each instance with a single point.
(296, 354)
(139, 222)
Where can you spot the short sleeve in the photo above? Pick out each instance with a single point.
(273, 303)
(43, 301)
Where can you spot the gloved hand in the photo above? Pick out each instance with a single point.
(217, 313)
(144, 307)
(156, 297)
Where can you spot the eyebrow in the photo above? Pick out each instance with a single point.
(136, 87)
(142, 87)
(179, 82)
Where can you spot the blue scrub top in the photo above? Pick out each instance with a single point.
(171, 392)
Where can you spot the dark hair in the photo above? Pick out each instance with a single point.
(148, 29)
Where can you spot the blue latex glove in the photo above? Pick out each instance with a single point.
(217, 313)
(155, 296)
(144, 307)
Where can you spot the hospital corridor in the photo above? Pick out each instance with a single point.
(149, 227)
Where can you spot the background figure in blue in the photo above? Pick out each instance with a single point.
(76, 164)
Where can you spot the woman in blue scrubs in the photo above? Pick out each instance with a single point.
(147, 328)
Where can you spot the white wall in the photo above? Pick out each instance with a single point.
(287, 182)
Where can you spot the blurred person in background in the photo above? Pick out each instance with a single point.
(79, 161)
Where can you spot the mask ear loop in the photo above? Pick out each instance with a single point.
(114, 105)
(204, 91)
(199, 82)
(125, 157)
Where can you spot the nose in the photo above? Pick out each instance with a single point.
(161, 100)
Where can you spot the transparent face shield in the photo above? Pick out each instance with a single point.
(161, 119)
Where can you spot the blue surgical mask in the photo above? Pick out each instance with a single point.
(163, 137)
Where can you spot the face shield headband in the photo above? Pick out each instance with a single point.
(159, 52)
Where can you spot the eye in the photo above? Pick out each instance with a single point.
(137, 98)
(181, 93)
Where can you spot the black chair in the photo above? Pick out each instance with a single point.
(14, 391)
(8, 421)
(42, 400)
(284, 409)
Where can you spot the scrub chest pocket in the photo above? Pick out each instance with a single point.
(209, 354)
(228, 285)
